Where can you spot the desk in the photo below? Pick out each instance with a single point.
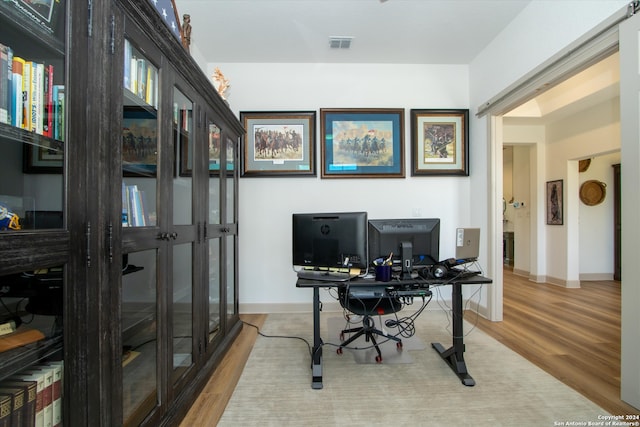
(454, 355)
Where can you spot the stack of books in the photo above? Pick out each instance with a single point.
(29, 99)
(33, 397)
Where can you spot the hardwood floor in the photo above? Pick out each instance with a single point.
(573, 334)
(208, 408)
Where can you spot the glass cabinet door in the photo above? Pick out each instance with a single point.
(141, 268)
(139, 139)
(33, 273)
(32, 122)
(213, 252)
(182, 289)
(139, 335)
(231, 152)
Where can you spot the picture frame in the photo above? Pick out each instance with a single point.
(440, 142)
(555, 202)
(44, 156)
(278, 144)
(362, 143)
(139, 142)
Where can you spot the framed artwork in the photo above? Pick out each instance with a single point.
(139, 142)
(554, 202)
(43, 156)
(440, 142)
(362, 143)
(277, 144)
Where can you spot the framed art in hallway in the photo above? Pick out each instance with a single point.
(278, 143)
(440, 142)
(554, 202)
(362, 143)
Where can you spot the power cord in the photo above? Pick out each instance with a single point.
(279, 336)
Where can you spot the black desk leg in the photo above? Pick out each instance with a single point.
(316, 359)
(454, 356)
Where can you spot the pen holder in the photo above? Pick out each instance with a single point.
(383, 273)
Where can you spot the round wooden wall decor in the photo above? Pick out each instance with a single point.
(593, 192)
(583, 165)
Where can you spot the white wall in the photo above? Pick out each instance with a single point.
(596, 223)
(593, 132)
(267, 281)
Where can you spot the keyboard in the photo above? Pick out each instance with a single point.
(326, 276)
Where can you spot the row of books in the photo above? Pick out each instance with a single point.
(29, 99)
(33, 397)
(134, 209)
(140, 75)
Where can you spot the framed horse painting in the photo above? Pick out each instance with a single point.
(362, 143)
(440, 142)
(278, 143)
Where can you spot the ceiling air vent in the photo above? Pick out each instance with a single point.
(340, 42)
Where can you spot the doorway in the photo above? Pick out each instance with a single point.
(577, 119)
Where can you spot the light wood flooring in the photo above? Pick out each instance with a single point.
(573, 334)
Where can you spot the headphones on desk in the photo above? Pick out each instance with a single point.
(437, 271)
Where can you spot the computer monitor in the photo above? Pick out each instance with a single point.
(330, 240)
(413, 242)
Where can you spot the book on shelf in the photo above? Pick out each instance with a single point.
(26, 96)
(4, 84)
(38, 378)
(59, 109)
(37, 95)
(47, 102)
(16, 91)
(18, 404)
(30, 393)
(134, 207)
(56, 390)
(47, 392)
(5, 410)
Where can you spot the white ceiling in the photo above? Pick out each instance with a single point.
(391, 31)
(383, 31)
(597, 84)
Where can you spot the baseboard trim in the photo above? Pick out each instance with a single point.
(596, 276)
(563, 282)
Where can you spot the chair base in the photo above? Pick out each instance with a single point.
(369, 330)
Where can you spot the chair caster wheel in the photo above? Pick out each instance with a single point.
(341, 337)
(378, 359)
(399, 346)
(339, 350)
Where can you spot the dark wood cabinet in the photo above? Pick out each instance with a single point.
(132, 207)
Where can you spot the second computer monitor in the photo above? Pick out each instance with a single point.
(413, 242)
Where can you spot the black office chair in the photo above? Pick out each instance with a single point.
(368, 307)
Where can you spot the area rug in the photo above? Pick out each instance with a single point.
(275, 386)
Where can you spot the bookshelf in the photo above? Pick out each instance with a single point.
(126, 194)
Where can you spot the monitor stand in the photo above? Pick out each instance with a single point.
(406, 253)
